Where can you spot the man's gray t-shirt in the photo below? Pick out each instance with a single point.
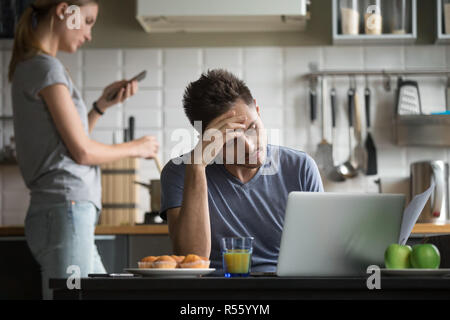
(45, 162)
(255, 209)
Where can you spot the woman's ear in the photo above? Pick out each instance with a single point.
(61, 10)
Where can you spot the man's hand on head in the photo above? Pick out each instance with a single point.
(222, 129)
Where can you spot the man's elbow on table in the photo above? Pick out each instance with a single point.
(185, 242)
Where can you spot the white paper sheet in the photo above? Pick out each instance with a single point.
(412, 213)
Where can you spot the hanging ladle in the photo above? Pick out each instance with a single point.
(349, 168)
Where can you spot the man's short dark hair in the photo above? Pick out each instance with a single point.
(214, 94)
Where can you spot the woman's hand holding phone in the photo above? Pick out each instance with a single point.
(120, 91)
(125, 89)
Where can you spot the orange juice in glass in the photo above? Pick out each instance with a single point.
(237, 256)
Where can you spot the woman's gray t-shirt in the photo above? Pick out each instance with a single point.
(45, 162)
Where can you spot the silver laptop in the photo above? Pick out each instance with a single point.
(337, 234)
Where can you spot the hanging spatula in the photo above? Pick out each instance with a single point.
(324, 153)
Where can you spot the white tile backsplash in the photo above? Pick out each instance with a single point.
(273, 75)
(106, 58)
(180, 77)
(391, 57)
(422, 57)
(223, 57)
(175, 118)
(103, 135)
(145, 117)
(268, 96)
(151, 99)
(272, 117)
(297, 59)
(175, 58)
(392, 161)
(350, 57)
(113, 118)
(263, 56)
(173, 97)
(143, 58)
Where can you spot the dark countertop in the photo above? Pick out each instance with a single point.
(272, 288)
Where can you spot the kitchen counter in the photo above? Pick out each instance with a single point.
(419, 229)
(19, 231)
(119, 247)
(254, 288)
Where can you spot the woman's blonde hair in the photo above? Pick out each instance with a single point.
(26, 45)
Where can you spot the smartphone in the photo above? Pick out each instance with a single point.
(110, 275)
(139, 77)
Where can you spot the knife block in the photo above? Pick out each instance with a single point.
(120, 195)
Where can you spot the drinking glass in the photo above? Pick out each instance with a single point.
(237, 256)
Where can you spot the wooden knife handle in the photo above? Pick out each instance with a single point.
(158, 164)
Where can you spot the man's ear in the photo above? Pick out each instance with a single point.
(256, 106)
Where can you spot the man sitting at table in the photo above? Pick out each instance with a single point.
(232, 183)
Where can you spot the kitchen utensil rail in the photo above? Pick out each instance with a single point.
(346, 73)
(386, 74)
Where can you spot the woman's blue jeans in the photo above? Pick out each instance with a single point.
(61, 235)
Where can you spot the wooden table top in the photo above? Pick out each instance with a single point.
(419, 228)
(99, 230)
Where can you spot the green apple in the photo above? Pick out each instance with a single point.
(396, 256)
(425, 256)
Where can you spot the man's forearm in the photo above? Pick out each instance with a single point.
(193, 230)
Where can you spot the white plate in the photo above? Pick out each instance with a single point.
(416, 272)
(179, 272)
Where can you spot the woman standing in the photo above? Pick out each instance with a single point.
(57, 159)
